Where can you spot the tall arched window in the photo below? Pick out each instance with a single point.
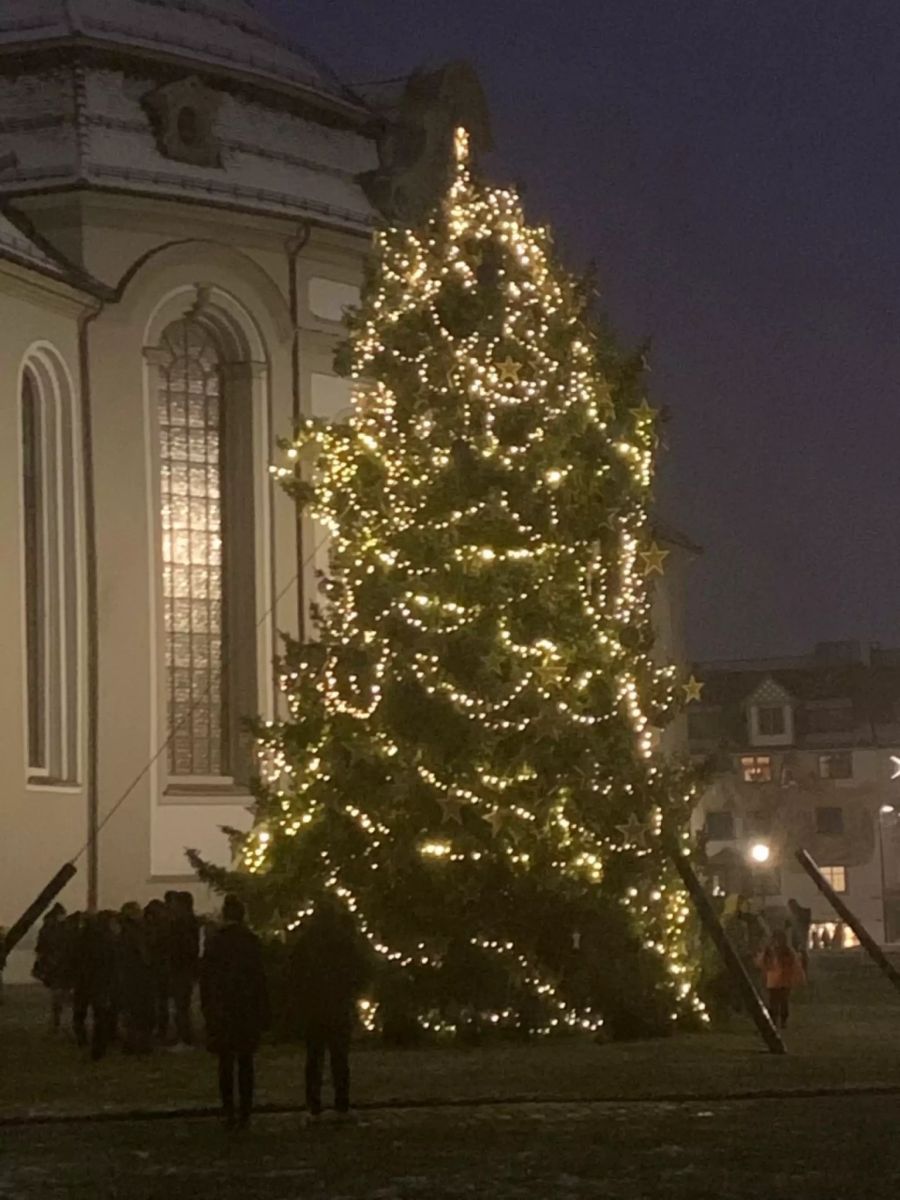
(50, 540)
(206, 499)
(35, 552)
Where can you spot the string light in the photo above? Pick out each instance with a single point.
(488, 508)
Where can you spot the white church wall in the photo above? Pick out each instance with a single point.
(42, 825)
(143, 846)
(142, 245)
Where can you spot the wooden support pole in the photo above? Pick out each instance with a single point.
(713, 926)
(868, 943)
(34, 910)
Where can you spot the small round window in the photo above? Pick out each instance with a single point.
(189, 126)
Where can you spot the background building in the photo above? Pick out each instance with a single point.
(802, 750)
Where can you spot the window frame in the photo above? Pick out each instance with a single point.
(769, 709)
(829, 875)
(756, 760)
(45, 388)
(827, 756)
(245, 495)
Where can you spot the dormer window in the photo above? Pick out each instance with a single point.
(770, 720)
(770, 715)
(184, 121)
(189, 126)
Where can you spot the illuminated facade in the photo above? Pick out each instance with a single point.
(183, 225)
(803, 752)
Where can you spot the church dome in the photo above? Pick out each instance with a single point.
(227, 36)
(199, 100)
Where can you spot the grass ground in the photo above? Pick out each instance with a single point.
(590, 1120)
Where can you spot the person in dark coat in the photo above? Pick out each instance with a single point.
(50, 961)
(800, 923)
(156, 932)
(95, 981)
(328, 971)
(183, 959)
(235, 1003)
(134, 981)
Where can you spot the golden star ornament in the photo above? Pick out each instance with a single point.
(693, 690)
(635, 832)
(654, 559)
(644, 411)
(509, 370)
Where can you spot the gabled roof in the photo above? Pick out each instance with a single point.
(225, 35)
(770, 691)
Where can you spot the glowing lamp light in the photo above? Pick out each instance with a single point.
(760, 853)
(887, 808)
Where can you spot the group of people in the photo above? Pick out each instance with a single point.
(130, 973)
(781, 954)
(134, 973)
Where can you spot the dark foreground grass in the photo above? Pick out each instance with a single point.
(589, 1120)
(802, 1150)
(845, 1033)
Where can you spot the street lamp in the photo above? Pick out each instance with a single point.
(884, 811)
(760, 853)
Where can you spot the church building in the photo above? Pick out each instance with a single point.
(186, 205)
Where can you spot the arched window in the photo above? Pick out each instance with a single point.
(35, 547)
(206, 502)
(50, 540)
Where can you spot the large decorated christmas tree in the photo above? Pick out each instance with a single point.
(470, 758)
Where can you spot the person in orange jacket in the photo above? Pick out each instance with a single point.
(782, 971)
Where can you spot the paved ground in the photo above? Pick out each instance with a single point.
(801, 1150)
(594, 1125)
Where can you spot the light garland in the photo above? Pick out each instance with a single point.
(528, 564)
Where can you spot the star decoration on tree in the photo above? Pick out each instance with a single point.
(497, 821)
(451, 809)
(693, 690)
(654, 559)
(509, 370)
(551, 670)
(644, 411)
(635, 831)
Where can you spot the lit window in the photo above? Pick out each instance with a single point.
(836, 877)
(191, 427)
(829, 821)
(770, 721)
(50, 581)
(837, 765)
(720, 826)
(756, 768)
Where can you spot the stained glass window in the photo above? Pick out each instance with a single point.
(35, 545)
(191, 430)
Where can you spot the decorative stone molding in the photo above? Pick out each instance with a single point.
(416, 149)
(184, 119)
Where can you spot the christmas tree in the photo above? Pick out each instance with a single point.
(469, 757)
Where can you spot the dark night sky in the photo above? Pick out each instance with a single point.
(734, 168)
